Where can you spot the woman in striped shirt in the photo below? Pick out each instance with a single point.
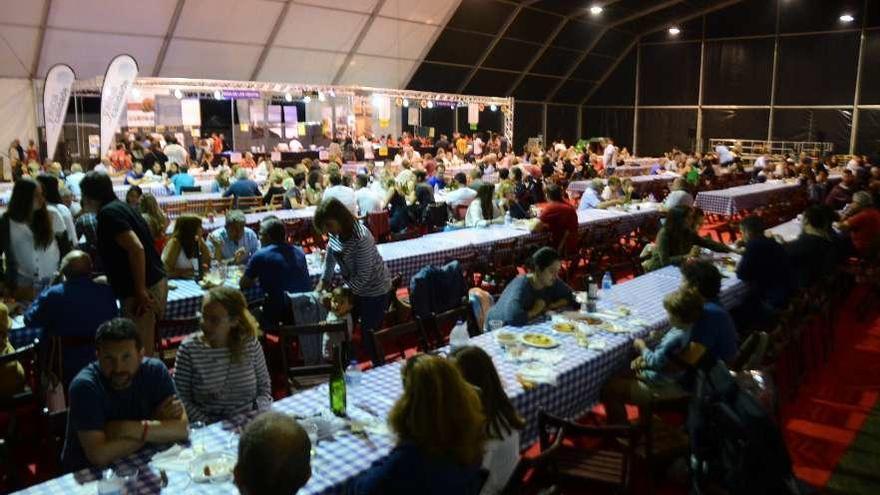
(221, 372)
(351, 247)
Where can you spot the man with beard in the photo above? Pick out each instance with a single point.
(121, 402)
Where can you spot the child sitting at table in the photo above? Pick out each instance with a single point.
(341, 304)
(11, 374)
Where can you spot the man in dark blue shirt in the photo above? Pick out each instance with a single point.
(715, 329)
(279, 268)
(73, 310)
(121, 402)
(242, 187)
(765, 268)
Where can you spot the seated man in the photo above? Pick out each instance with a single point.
(461, 196)
(590, 198)
(862, 221)
(279, 268)
(121, 402)
(135, 176)
(714, 330)
(679, 195)
(841, 194)
(243, 187)
(651, 368)
(814, 253)
(73, 310)
(367, 200)
(344, 194)
(234, 242)
(561, 220)
(273, 456)
(766, 270)
(182, 179)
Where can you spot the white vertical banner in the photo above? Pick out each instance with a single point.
(412, 117)
(382, 104)
(473, 113)
(120, 75)
(56, 96)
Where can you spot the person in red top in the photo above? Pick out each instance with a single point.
(120, 158)
(862, 221)
(218, 143)
(561, 219)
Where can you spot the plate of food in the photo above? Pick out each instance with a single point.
(506, 338)
(589, 319)
(212, 468)
(538, 340)
(566, 327)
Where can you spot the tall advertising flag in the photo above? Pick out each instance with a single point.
(56, 96)
(120, 75)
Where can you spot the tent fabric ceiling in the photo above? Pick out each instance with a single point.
(552, 50)
(365, 42)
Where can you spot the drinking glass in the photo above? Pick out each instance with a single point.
(495, 325)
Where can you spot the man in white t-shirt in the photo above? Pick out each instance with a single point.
(679, 195)
(478, 146)
(175, 152)
(368, 201)
(609, 155)
(463, 196)
(295, 146)
(344, 194)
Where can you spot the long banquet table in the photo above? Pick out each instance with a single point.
(339, 459)
(735, 199)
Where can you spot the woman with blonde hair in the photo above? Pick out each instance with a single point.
(221, 371)
(156, 220)
(440, 433)
(185, 252)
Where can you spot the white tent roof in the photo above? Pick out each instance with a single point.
(365, 42)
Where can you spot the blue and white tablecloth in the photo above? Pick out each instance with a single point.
(736, 199)
(339, 460)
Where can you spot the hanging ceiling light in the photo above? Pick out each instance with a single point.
(218, 95)
(288, 97)
(493, 107)
(430, 104)
(332, 94)
(405, 102)
(596, 9)
(674, 31)
(307, 99)
(178, 93)
(321, 96)
(847, 18)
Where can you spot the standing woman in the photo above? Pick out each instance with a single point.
(49, 183)
(156, 220)
(352, 248)
(483, 211)
(27, 240)
(220, 371)
(186, 252)
(503, 423)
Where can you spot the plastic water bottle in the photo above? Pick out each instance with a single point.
(353, 376)
(459, 336)
(507, 219)
(606, 281)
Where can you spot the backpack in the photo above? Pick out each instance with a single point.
(735, 444)
(436, 289)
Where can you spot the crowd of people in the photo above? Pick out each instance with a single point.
(447, 434)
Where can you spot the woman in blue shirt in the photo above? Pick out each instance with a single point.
(528, 297)
(440, 435)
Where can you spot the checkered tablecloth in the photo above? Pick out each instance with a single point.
(579, 186)
(185, 297)
(788, 231)
(189, 198)
(736, 199)
(209, 225)
(339, 460)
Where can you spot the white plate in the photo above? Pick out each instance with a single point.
(219, 463)
(551, 344)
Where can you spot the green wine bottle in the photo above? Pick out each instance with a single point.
(337, 384)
